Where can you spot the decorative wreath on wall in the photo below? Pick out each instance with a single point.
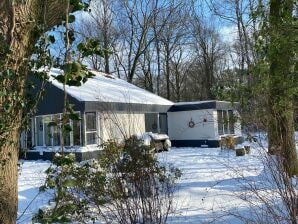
(191, 123)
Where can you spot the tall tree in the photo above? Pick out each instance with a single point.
(282, 82)
(19, 22)
(99, 25)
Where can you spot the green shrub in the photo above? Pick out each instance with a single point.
(126, 184)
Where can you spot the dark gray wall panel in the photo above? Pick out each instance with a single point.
(127, 107)
(53, 100)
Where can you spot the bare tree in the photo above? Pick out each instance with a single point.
(99, 24)
(208, 55)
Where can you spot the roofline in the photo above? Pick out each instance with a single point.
(218, 105)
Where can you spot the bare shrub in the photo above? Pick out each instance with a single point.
(269, 197)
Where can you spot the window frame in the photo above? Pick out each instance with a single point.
(52, 130)
(93, 130)
(225, 125)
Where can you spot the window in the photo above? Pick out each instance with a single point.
(232, 120)
(151, 122)
(47, 134)
(39, 131)
(226, 122)
(156, 123)
(47, 130)
(220, 122)
(91, 131)
(76, 130)
(163, 123)
(56, 130)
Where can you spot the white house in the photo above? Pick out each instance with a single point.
(202, 123)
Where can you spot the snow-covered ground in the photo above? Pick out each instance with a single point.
(211, 177)
(208, 190)
(31, 177)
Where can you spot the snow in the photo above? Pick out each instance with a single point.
(208, 191)
(210, 178)
(106, 88)
(31, 177)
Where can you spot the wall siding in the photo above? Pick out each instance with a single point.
(121, 125)
(178, 125)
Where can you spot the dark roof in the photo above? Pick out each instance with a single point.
(203, 105)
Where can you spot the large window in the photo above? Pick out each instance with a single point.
(91, 131)
(48, 131)
(156, 123)
(151, 122)
(226, 122)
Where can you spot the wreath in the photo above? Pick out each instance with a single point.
(191, 123)
(154, 126)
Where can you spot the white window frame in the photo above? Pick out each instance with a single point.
(225, 124)
(87, 132)
(34, 133)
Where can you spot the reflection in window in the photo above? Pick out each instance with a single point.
(151, 120)
(232, 121)
(47, 131)
(226, 122)
(56, 130)
(163, 123)
(220, 122)
(91, 128)
(76, 128)
(39, 131)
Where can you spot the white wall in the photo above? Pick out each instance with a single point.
(120, 125)
(178, 125)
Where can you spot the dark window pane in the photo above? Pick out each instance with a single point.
(220, 122)
(67, 139)
(225, 121)
(231, 121)
(39, 131)
(163, 123)
(90, 122)
(76, 132)
(151, 122)
(91, 138)
(56, 130)
(47, 134)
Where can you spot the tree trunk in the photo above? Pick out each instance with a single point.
(282, 84)
(9, 180)
(18, 20)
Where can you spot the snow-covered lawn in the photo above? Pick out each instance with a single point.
(211, 178)
(208, 190)
(31, 177)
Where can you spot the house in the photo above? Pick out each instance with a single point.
(108, 107)
(203, 123)
(111, 108)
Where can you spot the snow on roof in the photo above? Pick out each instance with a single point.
(106, 88)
